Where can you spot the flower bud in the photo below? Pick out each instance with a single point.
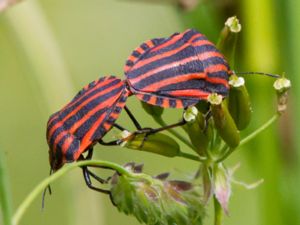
(228, 38)
(282, 85)
(239, 104)
(154, 201)
(223, 121)
(200, 133)
(156, 143)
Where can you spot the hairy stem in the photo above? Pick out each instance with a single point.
(5, 196)
(42, 185)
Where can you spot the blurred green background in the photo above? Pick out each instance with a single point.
(49, 49)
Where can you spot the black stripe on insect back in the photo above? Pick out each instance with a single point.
(194, 66)
(90, 86)
(71, 150)
(146, 98)
(109, 119)
(205, 48)
(220, 74)
(85, 127)
(189, 84)
(88, 96)
(183, 54)
(184, 39)
(68, 110)
(83, 111)
(216, 88)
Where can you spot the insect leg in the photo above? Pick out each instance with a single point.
(133, 119)
(119, 127)
(149, 131)
(90, 173)
(86, 175)
(110, 143)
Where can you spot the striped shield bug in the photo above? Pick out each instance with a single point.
(83, 122)
(178, 71)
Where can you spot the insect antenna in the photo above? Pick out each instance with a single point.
(45, 191)
(257, 73)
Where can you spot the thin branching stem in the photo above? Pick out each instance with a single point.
(42, 185)
(218, 212)
(161, 122)
(250, 137)
(191, 157)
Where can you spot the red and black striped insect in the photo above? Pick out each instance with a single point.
(178, 71)
(83, 122)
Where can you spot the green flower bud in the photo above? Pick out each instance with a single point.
(228, 38)
(153, 110)
(156, 143)
(190, 114)
(199, 132)
(156, 202)
(239, 104)
(233, 24)
(282, 85)
(223, 121)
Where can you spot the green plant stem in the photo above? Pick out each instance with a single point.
(161, 122)
(249, 137)
(191, 157)
(5, 196)
(42, 185)
(218, 212)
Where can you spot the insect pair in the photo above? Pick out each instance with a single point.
(174, 72)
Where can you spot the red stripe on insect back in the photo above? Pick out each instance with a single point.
(67, 142)
(97, 86)
(106, 81)
(160, 56)
(194, 36)
(202, 42)
(216, 68)
(76, 125)
(81, 106)
(217, 80)
(189, 93)
(152, 100)
(210, 54)
(58, 138)
(164, 67)
(172, 52)
(149, 43)
(179, 103)
(165, 103)
(167, 43)
(174, 40)
(86, 140)
(173, 80)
